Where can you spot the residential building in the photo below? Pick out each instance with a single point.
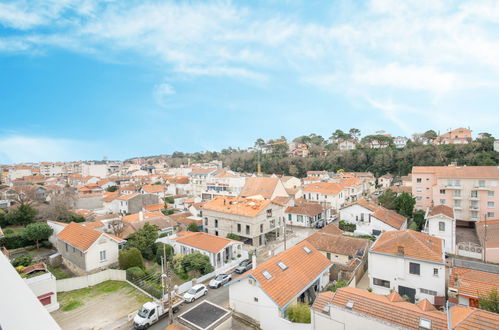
(93, 169)
(331, 195)
(461, 317)
(488, 235)
(198, 179)
(372, 219)
(344, 145)
(466, 285)
(385, 181)
(255, 221)
(440, 222)
(354, 309)
(410, 263)
(400, 141)
(322, 175)
(456, 136)
(263, 188)
(154, 189)
(496, 145)
(52, 169)
(472, 191)
(264, 293)
(220, 250)
(43, 285)
(165, 224)
(84, 249)
(290, 182)
(304, 214)
(133, 203)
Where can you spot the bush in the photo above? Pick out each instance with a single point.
(46, 244)
(112, 188)
(24, 260)
(8, 231)
(197, 262)
(15, 242)
(339, 284)
(414, 226)
(131, 258)
(347, 226)
(192, 227)
(144, 240)
(159, 252)
(298, 313)
(135, 273)
(233, 236)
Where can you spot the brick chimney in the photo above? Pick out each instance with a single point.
(141, 216)
(400, 250)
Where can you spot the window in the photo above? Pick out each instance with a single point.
(490, 193)
(490, 215)
(216, 232)
(490, 204)
(289, 217)
(414, 268)
(102, 255)
(418, 180)
(457, 193)
(272, 223)
(481, 183)
(419, 198)
(238, 227)
(206, 230)
(419, 190)
(435, 271)
(206, 221)
(66, 247)
(441, 226)
(429, 292)
(474, 194)
(216, 223)
(299, 218)
(442, 202)
(442, 191)
(383, 283)
(269, 213)
(282, 265)
(255, 299)
(261, 228)
(266, 274)
(247, 229)
(457, 203)
(328, 255)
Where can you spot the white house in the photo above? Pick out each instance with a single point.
(304, 214)
(372, 219)
(265, 292)
(410, 263)
(329, 194)
(220, 250)
(344, 145)
(440, 222)
(400, 141)
(385, 181)
(84, 249)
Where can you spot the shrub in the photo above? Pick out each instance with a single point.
(144, 240)
(24, 260)
(8, 231)
(37, 232)
(298, 313)
(46, 244)
(177, 263)
(197, 262)
(192, 227)
(233, 236)
(135, 273)
(131, 258)
(15, 241)
(414, 226)
(159, 252)
(347, 226)
(339, 284)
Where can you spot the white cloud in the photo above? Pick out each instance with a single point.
(162, 92)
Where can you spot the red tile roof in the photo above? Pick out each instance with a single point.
(474, 283)
(326, 188)
(442, 209)
(79, 236)
(259, 186)
(467, 318)
(235, 205)
(203, 241)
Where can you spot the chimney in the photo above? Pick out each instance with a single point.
(141, 216)
(253, 260)
(400, 250)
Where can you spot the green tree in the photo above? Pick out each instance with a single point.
(405, 204)
(299, 313)
(37, 232)
(388, 199)
(354, 133)
(160, 249)
(197, 262)
(24, 260)
(130, 258)
(112, 188)
(429, 136)
(23, 215)
(192, 227)
(489, 301)
(143, 239)
(3, 220)
(418, 217)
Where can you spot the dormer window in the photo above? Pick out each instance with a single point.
(306, 249)
(282, 265)
(267, 275)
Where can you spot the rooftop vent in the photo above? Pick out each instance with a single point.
(282, 265)
(349, 304)
(251, 203)
(307, 250)
(267, 275)
(424, 324)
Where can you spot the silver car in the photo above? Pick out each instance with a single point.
(220, 280)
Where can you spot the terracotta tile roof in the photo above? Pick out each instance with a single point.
(281, 200)
(401, 189)
(203, 241)
(414, 245)
(472, 172)
(259, 186)
(127, 197)
(153, 188)
(155, 207)
(381, 213)
(93, 224)
(79, 236)
(326, 188)
(474, 283)
(322, 300)
(182, 218)
(34, 268)
(442, 209)
(239, 206)
(179, 180)
(146, 216)
(350, 182)
(303, 269)
(110, 196)
(331, 229)
(339, 244)
(84, 213)
(468, 318)
(492, 233)
(201, 171)
(107, 217)
(392, 309)
(132, 227)
(316, 172)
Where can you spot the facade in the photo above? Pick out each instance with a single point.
(255, 221)
(220, 250)
(410, 263)
(472, 191)
(345, 145)
(329, 194)
(456, 136)
(372, 219)
(488, 235)
(265, 292)
(400, 141)
(304, 214)
(85, 249)
(198, 179)
(133, 203)
(43, 285)
(385, 181)
(440, 222)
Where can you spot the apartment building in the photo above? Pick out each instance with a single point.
(456, 136)
(255, 221)
(472, 191)
(331, 195)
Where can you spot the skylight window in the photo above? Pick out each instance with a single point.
(424, 324)
(349, 304)
(282, 265)
(307, 250)
(267, 275)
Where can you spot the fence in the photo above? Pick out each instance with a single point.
(81, 282)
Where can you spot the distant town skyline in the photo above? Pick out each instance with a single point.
(80, 80)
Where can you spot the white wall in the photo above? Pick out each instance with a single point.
(80, 282)
(448, 235)
(92, 256)
(341, 319)
(43, 284)
(57, 229)
(355, 213)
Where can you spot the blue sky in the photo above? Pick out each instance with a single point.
(88, 79)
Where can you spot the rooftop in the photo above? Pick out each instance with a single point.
(203, 241)
(339, 244)
(471, 282)
(238, 206)
(468, 318)
(327, 188)
(453, 171)
(263, 186)
(441, 209)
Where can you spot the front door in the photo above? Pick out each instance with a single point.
(409, 292)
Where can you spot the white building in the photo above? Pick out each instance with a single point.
(265, 292)
(345, 145)
(92, 169)
(372, 219)
(330, 195)
(305, 214)
(440, 222)
(43, 285)
(220, 250)
(385, 181)
(410, 263)
(400, 141)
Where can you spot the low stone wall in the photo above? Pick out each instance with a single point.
(85, 281)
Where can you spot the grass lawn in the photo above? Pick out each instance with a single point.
(73, 299)
(58, 272)
(15, 230)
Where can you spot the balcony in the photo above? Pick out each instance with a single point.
(457, 197)
(474, 207)
(453, 187)
(474, 198)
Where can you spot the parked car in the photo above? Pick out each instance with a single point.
(319, 224)
(244, 266)
(196, 292)
(220, 280)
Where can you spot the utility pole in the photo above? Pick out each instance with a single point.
(284, 220)
(168, 274)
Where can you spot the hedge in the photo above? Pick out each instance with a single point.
(15, 242)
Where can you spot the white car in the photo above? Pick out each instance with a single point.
(197, 291)
(220, 280)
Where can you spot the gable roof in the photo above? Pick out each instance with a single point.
(128, 196)
(471, 282)
(414, 244)
(153, 188)
(468, 318)
(145, 216)
(306, 208)
(263, 186)
(326, 188)
(339, 244)
(390, 217)
(392, 308)
(81, 237)
(441, 209)
(203, 241)
(235, 205)
(303, 269)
